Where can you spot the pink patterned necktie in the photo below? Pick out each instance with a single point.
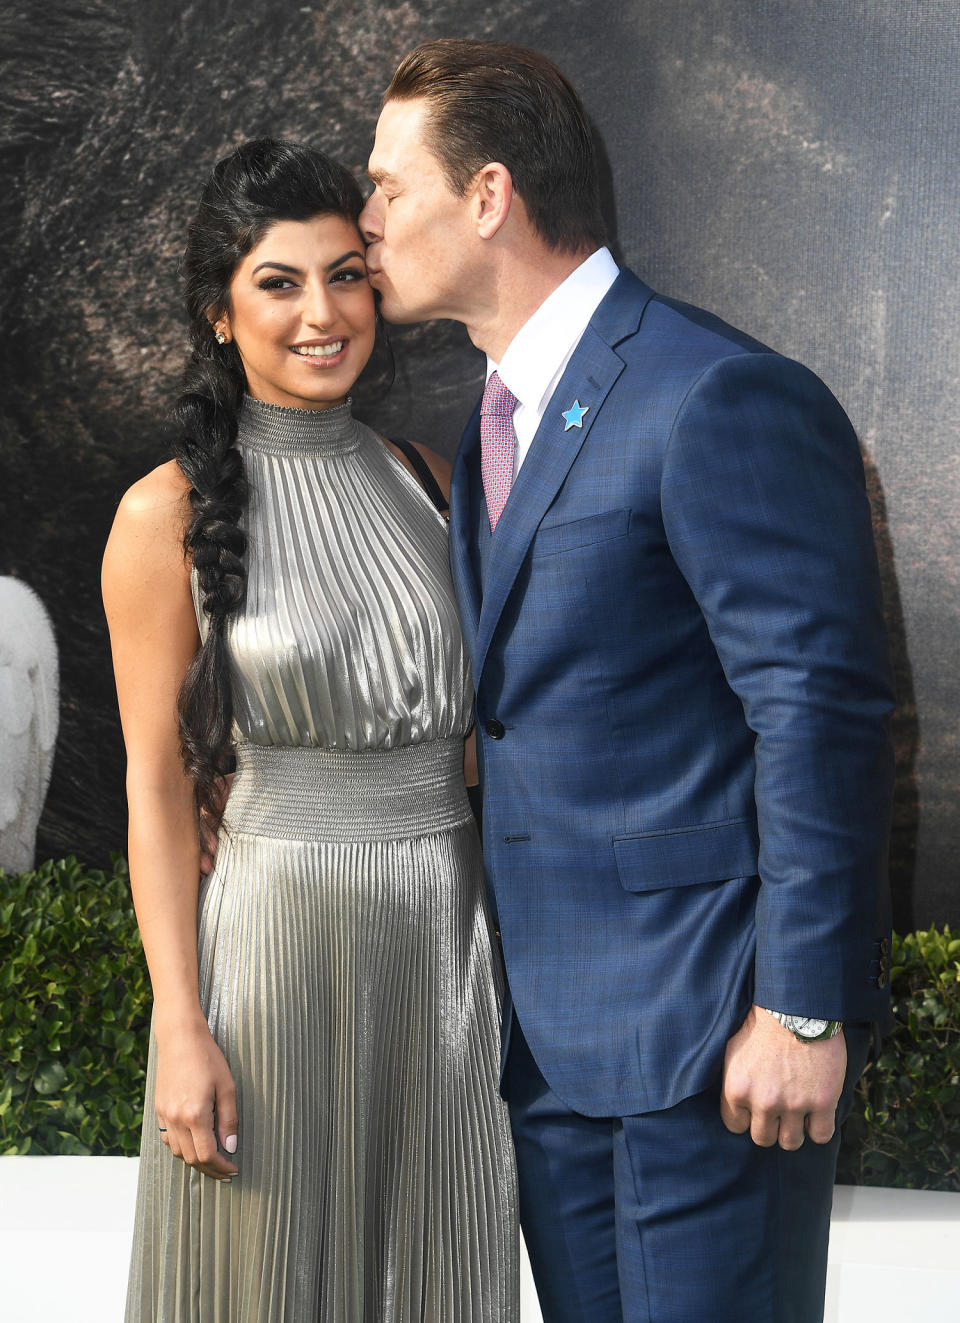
(497, 442)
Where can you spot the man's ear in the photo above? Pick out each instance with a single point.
(492, 198)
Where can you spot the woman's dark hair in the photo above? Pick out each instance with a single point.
(490, 101)
(263, 181)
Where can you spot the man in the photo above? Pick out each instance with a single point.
(663, 556)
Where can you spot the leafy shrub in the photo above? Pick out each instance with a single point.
(904, 1129)
(75, 1006)
(74, 1012)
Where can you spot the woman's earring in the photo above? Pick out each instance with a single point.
(220, 338)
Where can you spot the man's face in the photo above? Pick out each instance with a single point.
(422, 241)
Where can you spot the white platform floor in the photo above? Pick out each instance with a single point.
(66, 1228)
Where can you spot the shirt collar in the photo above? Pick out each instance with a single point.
(531, 360)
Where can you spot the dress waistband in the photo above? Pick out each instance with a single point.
(344, 795)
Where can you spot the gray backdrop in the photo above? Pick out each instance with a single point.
(790, 166)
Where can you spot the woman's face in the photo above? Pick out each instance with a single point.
(302, 313)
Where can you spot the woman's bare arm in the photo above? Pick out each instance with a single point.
(154, 637)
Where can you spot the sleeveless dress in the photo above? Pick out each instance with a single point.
(346, 964)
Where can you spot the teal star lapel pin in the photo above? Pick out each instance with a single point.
(573, 416)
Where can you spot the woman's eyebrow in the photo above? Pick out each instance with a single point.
(354, 252)
(296, 271)
(278, 266)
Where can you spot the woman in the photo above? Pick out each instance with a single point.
(328, 1143)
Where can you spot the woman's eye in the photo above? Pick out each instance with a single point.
(276, 282)
(347, 275)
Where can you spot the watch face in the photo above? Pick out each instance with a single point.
(807, 1028)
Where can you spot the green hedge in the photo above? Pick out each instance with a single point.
(904, 1129)
(74, 1012)
(75, 1005)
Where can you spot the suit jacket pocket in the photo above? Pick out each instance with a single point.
(685, 856)
(580, 532)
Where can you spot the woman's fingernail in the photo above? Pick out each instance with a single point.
(230, 1143)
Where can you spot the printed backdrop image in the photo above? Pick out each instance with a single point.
(790, 167)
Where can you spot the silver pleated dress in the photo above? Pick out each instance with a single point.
(346, 963)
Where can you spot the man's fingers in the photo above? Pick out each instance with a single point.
(764, 1128)
(791, 1132)
(821, 1125)
(734, 1115)
(208, 847)
(788, 1129)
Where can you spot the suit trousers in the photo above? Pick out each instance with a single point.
(667, 1217)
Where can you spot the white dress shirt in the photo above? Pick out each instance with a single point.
(538, 354)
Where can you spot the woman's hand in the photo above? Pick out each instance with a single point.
(196, 1101)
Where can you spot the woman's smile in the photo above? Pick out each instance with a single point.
(322, 351)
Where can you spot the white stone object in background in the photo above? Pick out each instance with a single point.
(29, 712)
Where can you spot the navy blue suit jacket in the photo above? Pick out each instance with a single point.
(680, 635)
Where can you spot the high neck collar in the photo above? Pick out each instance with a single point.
(276, 429)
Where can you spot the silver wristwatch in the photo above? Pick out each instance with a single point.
(806, 1030)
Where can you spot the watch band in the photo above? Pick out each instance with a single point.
(807, 1029)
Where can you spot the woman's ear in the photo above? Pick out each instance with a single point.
(220, 325)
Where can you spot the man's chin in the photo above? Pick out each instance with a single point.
(393, 311)
(392, 308)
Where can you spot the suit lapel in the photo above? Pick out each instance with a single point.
(589, 377)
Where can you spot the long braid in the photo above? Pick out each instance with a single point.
(207, 414)
(263, 181)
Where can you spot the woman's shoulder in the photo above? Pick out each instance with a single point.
(153, 495)
(150, 523)
(145, 575)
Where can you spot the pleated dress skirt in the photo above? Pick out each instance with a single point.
(345, 969)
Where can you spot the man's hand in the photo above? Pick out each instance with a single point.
(777, 1087)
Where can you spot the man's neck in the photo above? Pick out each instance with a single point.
(520, 283)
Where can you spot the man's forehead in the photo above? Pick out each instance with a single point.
(398, 141)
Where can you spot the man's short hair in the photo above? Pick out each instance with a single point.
(490, 101)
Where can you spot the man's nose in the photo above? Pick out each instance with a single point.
(370, 221)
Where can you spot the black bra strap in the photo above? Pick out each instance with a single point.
(423, 471)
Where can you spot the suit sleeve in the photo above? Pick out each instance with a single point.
(766, 514)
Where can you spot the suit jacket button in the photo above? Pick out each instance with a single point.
(882, 979)
(494, 728)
